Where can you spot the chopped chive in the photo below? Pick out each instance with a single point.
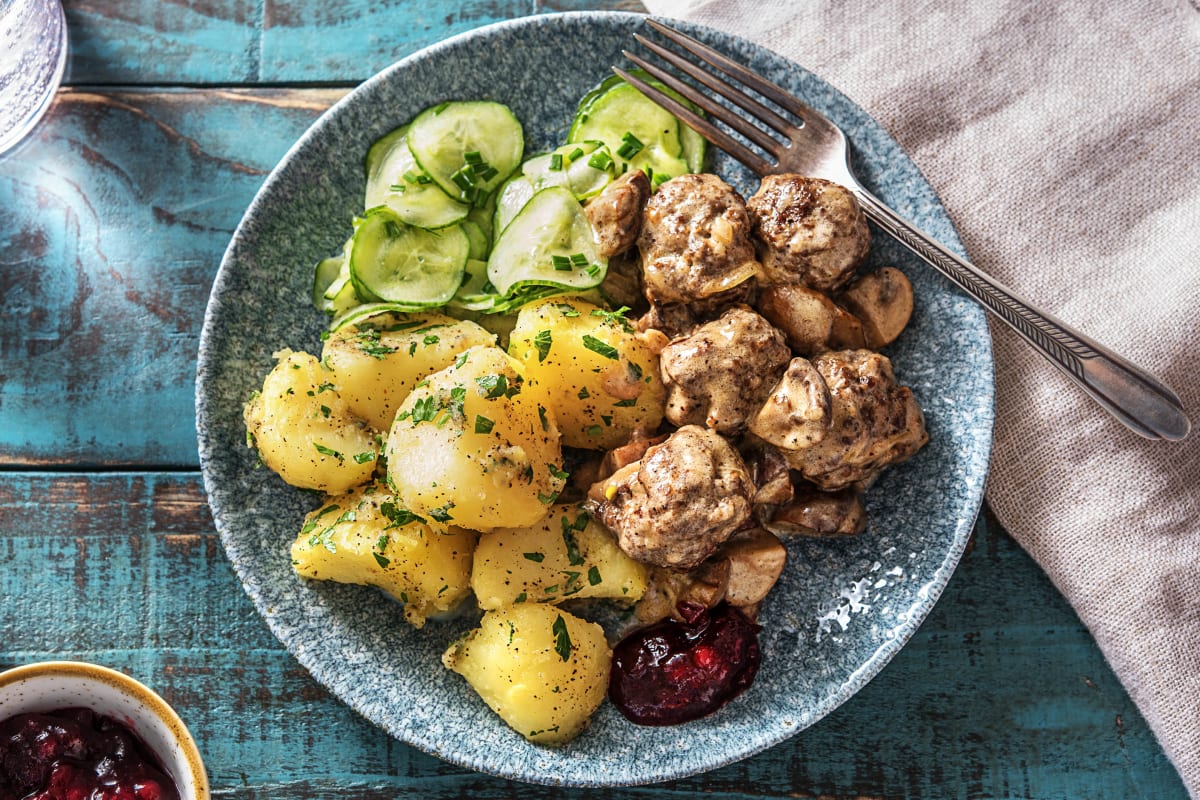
(630, 146)
(574, 154)
(600, 160)
(578, 260)
(556, 162)
(561, 263)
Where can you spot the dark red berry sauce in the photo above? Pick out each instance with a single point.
(76, 754)
(676, 671)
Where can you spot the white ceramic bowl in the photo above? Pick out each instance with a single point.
(52, 685)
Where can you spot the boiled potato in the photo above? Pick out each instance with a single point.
(587, 364)
(470, 446)
(543, 670)
(565, 555)
(365, 537)
(379, 360)
(304, 429)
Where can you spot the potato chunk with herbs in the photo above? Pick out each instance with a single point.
(379, 360)
(590, 367)
(469, 446)
(543, 670)
(304, 430)
(365, 537)
(564, 556)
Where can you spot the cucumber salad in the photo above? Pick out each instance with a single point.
(456, 216)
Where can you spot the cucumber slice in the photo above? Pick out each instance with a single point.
(549, 243)
(509, 202)
(394, 179)
(468, 148)
(329, 271)
(477, 239)
(332, 289)
(482, 216)
(399, 263)
(362, 313)
(476, 293)
(343, 300)
(622, 111)
(584, 168)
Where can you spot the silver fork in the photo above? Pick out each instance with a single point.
(815, 146)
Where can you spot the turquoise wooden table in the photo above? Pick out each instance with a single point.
(113, 219)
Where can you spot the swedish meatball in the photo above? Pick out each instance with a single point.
(680, 502)
(695, 241)
(809, 230)
(720, 374)
(875, 422)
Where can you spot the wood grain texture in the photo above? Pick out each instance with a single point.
(113, 220)
(222, 42)
(1001, 693)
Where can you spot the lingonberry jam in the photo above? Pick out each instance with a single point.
(76, 754)
(675, 671)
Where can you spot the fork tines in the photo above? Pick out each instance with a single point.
(769, 118)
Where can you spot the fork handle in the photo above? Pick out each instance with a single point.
(1132, 395)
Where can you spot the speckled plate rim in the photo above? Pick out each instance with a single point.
(681, 761)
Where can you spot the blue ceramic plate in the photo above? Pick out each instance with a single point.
(843, 608)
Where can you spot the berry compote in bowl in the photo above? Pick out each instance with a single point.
(74, 730)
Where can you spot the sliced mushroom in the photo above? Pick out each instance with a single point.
(769, 471)
(626, 454)
(816, 513)
(846, 332)
(622, 284)
(883, 301)
(804, 315)
(667, 589)
(756, 558)
(616, 213)
(797, 413)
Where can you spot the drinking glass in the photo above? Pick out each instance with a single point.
(33, 53)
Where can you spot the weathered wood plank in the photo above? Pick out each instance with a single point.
(113, 220)
(223, 42)
(1001, 693)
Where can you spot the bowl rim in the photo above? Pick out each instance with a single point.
(130, 687)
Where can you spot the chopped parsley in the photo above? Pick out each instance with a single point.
(542, 342)
(483, 424)
(601, 348)
(562, 639)
(398, 515)
(327, 451)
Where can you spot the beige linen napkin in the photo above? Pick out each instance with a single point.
(1064, 139)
